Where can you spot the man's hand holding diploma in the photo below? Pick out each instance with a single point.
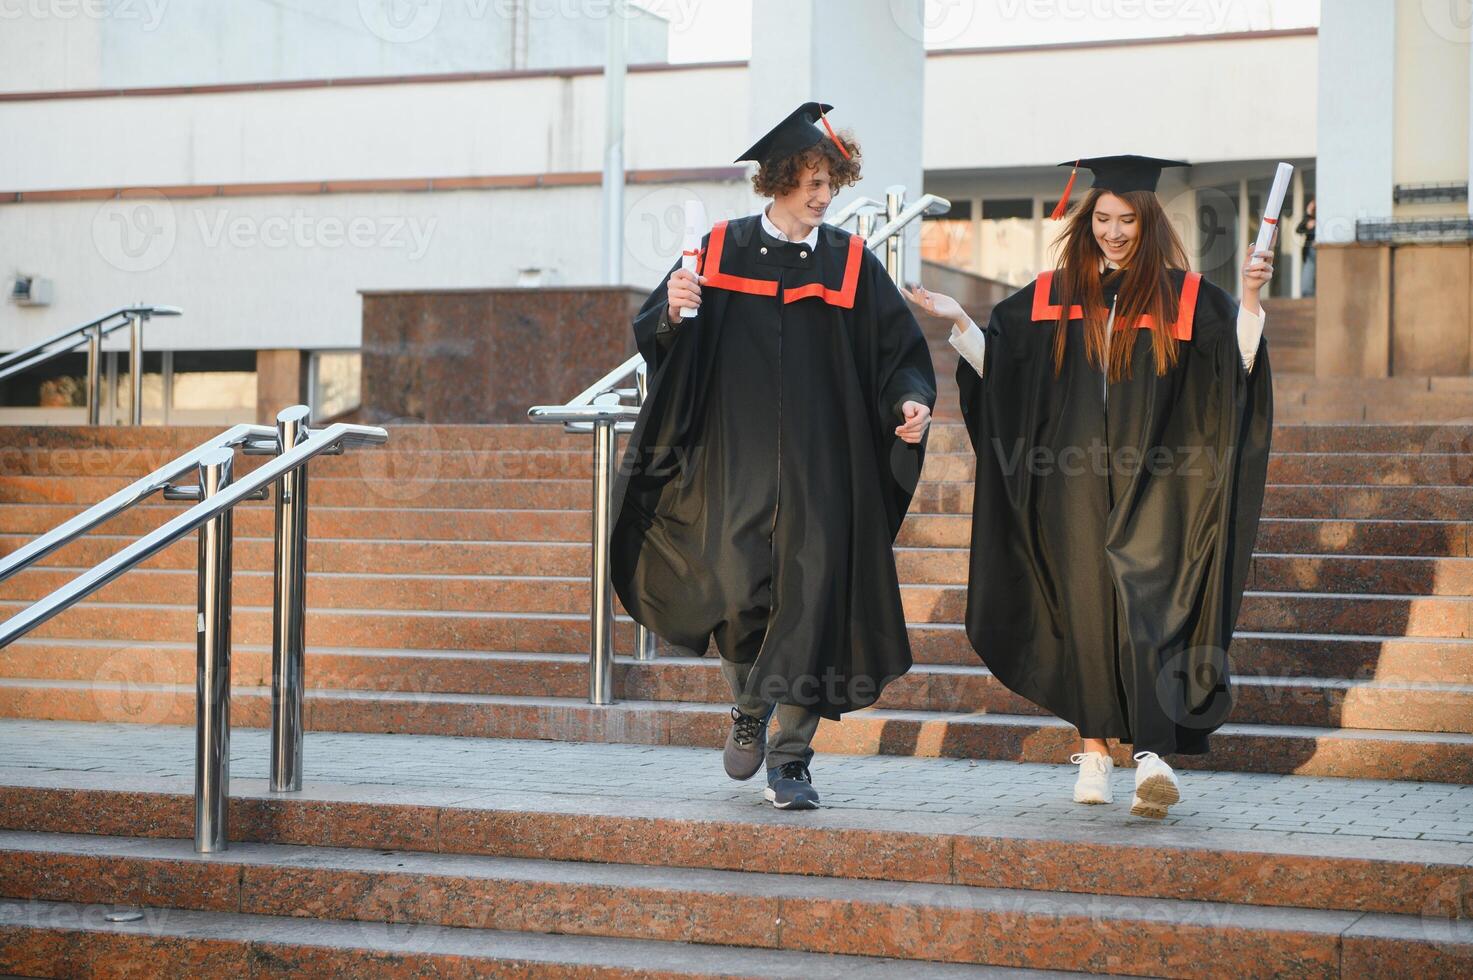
(684, 293)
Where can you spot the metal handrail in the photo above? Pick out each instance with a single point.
(853, 208)
(134, 493)
(598, 410)
(91, 333)
(170, 531)
(927, 205)
(294, 445)
(607, 382)
(125, 311)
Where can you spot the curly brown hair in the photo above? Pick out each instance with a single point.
(781, 175)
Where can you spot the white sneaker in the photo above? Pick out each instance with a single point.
(1156, 787)
(1093, 784)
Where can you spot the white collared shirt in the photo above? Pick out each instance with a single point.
(811, 241)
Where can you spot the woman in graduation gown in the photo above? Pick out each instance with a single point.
(1120, 407)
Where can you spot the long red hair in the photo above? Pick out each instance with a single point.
(1146, 290)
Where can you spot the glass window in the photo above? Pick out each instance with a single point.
(153, 388)
(213, 380)
(1217, 235)
(336, 383)
(1009, 240)
(58, 383)
(947, 239)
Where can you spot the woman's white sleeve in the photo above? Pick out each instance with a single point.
(971, 343)
(1250, 329)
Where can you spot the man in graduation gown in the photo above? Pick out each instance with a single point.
(1113, 524)
(774, 458)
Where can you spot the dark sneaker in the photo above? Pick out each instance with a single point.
(791, 788)
(746, 745)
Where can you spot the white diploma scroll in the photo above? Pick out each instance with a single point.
(696, 227)
(1274, 206)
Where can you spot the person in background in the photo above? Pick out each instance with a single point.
(1306, 252)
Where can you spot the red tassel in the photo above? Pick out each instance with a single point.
(837, 142)
(1063, 206)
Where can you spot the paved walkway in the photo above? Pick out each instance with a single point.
(1271, 804)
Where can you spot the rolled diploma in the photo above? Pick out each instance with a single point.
(1274, 206)
(695, 229)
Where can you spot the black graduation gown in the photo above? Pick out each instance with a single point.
(763, 485)
(1105, 592)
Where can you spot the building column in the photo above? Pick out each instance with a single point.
(1357, 89)
(1354, 178)
(867, 59)
(281, 380)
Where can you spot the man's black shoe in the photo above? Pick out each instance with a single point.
(791, 787)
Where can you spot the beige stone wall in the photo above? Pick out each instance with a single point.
(281, 380)
(1404, 311)
(1353, 311)
(1430, 327)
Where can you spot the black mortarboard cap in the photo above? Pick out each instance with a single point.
(1121, 173)
(794, 134)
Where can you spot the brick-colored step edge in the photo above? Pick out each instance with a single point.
(947, 923)
(1241, 867)
(65, 939)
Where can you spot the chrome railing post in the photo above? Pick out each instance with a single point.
(288, 612)
(645, 642)
(895, 244)
(864, 224)
(135, 364)
(601, 649)
(94, 375)
(645, 648)
(212, 666)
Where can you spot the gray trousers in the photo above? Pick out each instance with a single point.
(796, 724)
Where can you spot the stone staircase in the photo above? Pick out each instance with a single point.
(448, 593)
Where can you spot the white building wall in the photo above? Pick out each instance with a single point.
(70, 45)
(533, 125)
(1430, 123)
(1194, 100)
(285, 271)
(867, 59)
(984, 113)
(1357, 82)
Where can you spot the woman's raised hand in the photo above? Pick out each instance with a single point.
(936, 304)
